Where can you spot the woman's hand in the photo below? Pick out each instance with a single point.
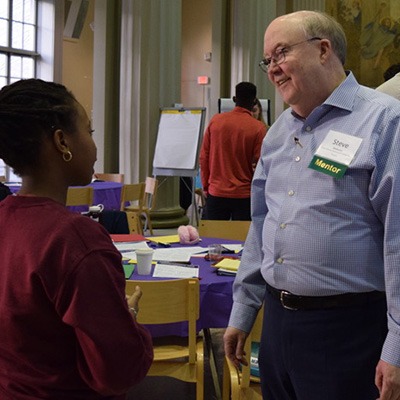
(133, 301)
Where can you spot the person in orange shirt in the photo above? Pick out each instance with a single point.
(230, 148)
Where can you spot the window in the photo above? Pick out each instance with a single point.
(18, 33)
(18, 47)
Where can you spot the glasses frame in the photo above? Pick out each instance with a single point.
(280, 56)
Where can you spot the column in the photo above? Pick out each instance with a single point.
(150, 78)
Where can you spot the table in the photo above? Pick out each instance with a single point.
(106, 193)
(215, 295)
(215, 305)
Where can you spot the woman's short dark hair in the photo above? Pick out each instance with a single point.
(30, 109)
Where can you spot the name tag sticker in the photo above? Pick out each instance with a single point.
(335, 154)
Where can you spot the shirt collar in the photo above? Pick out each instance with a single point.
(241, 110)
(344, 95)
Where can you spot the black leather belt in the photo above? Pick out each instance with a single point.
(294, 302)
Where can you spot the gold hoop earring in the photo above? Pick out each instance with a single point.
(67, 157)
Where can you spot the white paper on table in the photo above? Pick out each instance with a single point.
(126, 246)
(175, 271)
(181, 254)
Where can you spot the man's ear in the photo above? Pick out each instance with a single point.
(326, 48)
(234, 99)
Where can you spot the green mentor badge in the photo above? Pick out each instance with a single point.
(328, 167)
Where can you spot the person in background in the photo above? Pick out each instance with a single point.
(391, 86)
(67, 330)
(257, 112)
(324, 242)
(230, 148)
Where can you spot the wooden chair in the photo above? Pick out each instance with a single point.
(109, 177)
(132, 192)
(134, 222)
(170, 301)
(148, 202)
(235, 230)
(241, 385)
(80, 196)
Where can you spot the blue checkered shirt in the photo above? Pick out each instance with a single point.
(313, 234)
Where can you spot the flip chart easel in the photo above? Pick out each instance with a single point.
(180, 133)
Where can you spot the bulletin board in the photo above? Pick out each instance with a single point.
(180, 133)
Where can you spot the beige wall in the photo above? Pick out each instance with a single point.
(77, 64)
(196, 41)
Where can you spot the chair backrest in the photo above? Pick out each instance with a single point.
(132, 192)
(80, 196)
(150, 192)
(169, 301)
(109, 177)
(235, 230)
(134, 222)
(225, 104)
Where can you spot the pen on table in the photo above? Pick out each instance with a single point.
(159, 244)
(227, 251)
(178, 263)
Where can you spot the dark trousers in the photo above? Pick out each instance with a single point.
(222, 208)
(328, 354)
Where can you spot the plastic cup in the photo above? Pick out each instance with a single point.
(96, 209)
(214, 252)
(144, 258)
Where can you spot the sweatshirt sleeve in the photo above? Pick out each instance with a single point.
(113, 351)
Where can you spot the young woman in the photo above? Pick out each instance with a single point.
(67, 331)
(257, 112)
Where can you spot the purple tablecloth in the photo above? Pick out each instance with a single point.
(106, 193)
(215, 296)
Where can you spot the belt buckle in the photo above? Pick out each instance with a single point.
(282, 299)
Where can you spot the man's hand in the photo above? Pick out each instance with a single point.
(234, 340)
(387, 379)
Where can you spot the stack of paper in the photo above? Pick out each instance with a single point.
(228, 266)
(175, 271)
(164, 239)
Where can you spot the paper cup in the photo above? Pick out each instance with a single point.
(144, 258)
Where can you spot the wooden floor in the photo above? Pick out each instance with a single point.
(159, 388)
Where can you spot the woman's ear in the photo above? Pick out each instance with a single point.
(60, 140)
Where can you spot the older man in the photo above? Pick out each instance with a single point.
(324, 244)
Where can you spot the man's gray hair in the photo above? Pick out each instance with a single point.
(324, 26)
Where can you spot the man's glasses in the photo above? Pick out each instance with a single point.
(279, 56)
